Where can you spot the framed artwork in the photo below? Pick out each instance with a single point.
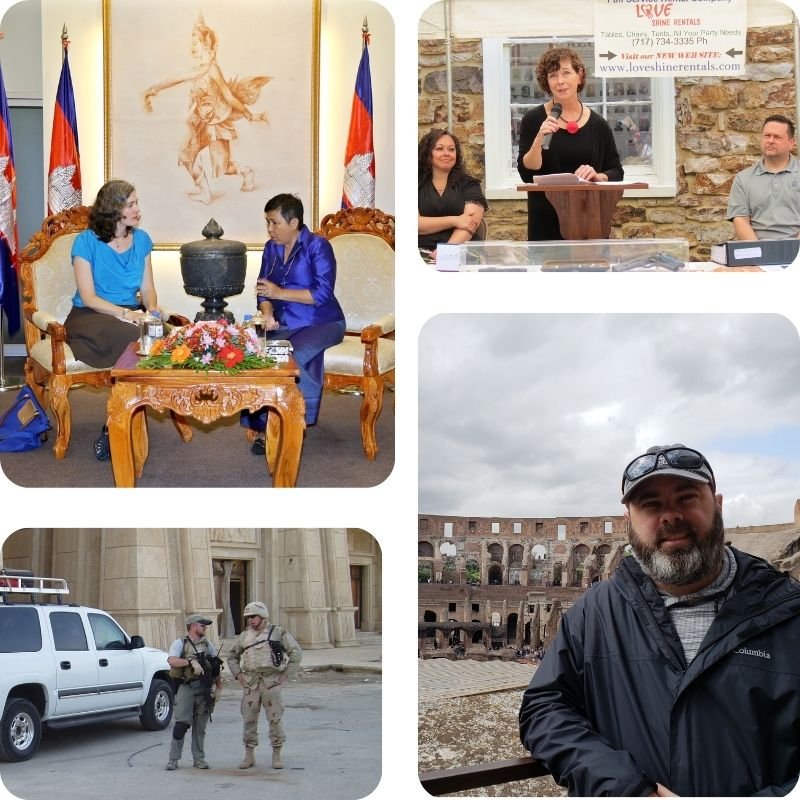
(211, 108)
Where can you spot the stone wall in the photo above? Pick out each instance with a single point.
(719, 122)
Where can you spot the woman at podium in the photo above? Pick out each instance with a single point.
(574, 139)
(450, 202)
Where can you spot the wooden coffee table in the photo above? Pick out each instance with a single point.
(205, 396)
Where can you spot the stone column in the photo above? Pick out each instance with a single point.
(153, 578)
(311, 566)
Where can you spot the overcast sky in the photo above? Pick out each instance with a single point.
(537, 415)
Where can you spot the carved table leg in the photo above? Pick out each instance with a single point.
(291, 407)
(120, 410)
(184, 431)
(273, 441)
(139, 439)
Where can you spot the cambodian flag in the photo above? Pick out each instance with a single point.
(9, 293)
(64, 176)
(359, 157)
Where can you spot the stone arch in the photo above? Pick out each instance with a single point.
(558, 570)
(495, 575)
(425, 571)
(424, 550)
(579, 555)
(472, 573)
(515, 555)
(495, 551)
(538, 552)
(511, 630)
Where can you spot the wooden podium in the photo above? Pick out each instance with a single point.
(584, 209)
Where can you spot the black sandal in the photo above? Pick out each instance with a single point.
(102, 449)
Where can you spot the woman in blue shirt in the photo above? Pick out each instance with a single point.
(112, 265)
(295, 296)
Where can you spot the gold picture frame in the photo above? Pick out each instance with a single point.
(173, 131)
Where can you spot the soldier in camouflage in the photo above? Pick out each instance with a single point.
(262, 658)
(191, 705)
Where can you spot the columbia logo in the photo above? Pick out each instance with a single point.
(745, 651)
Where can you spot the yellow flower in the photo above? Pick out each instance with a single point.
(157, 347)
(180, 354)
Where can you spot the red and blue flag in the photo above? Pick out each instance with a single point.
(359, 157)
(64, 175)
(9, 291)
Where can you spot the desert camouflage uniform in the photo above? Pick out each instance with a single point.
(251, 655)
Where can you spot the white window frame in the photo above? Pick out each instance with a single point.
(495, 527)
(502, 177)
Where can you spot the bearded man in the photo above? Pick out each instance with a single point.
(681, 674)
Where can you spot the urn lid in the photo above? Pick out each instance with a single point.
(213, 245)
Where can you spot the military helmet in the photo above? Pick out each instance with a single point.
(256, 609)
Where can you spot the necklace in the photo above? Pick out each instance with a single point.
(438, 188)
(572, 124)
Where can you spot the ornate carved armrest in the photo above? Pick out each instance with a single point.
(42, 320)
(58, 337)
(378, 328)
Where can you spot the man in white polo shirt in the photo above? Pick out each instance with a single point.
(765, 199)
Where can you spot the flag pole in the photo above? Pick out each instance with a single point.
(16, 381)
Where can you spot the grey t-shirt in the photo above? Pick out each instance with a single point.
(770, 199)
(176, 650)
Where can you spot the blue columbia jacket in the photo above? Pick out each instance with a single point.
(613, 708)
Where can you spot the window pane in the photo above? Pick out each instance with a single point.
(19, 630)
(107, 634)
(68, 632)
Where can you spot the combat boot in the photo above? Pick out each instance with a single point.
(249, 758)
(277, 761)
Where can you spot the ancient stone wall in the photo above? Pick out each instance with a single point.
(719, 122)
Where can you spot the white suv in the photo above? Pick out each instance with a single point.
(65, 665)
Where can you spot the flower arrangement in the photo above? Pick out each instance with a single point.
(208, 346)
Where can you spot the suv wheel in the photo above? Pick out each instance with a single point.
(156, 712)
(20, 731)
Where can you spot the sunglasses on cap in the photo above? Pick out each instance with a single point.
(683, 458)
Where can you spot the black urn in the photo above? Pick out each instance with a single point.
(214, 269)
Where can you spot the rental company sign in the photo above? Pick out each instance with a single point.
(681, 37)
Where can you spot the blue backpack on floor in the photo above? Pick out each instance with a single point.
(24, 426)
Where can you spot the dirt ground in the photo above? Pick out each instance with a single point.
(475, 729)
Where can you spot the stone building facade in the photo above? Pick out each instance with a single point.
(718, 122)
(497, 585)
(505, 582)
(323, 584)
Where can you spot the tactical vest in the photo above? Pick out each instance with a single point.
(257, 655)
(187, 673)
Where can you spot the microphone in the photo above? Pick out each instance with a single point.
(555, 113)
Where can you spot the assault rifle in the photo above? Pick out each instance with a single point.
(212, 666)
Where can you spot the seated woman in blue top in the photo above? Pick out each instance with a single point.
(295, 295)
(112, 264)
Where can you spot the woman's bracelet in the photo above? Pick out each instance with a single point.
(124, 313)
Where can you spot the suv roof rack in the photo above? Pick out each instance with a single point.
(18, 581)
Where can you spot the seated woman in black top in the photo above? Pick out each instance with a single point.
(450, 202)
(581, 140)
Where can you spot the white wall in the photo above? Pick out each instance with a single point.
(340, 51)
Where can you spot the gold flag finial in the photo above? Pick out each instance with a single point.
(64, 37)
(365, 31)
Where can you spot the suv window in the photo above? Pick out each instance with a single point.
(19, 630)
(107, 634)
(68, 632)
